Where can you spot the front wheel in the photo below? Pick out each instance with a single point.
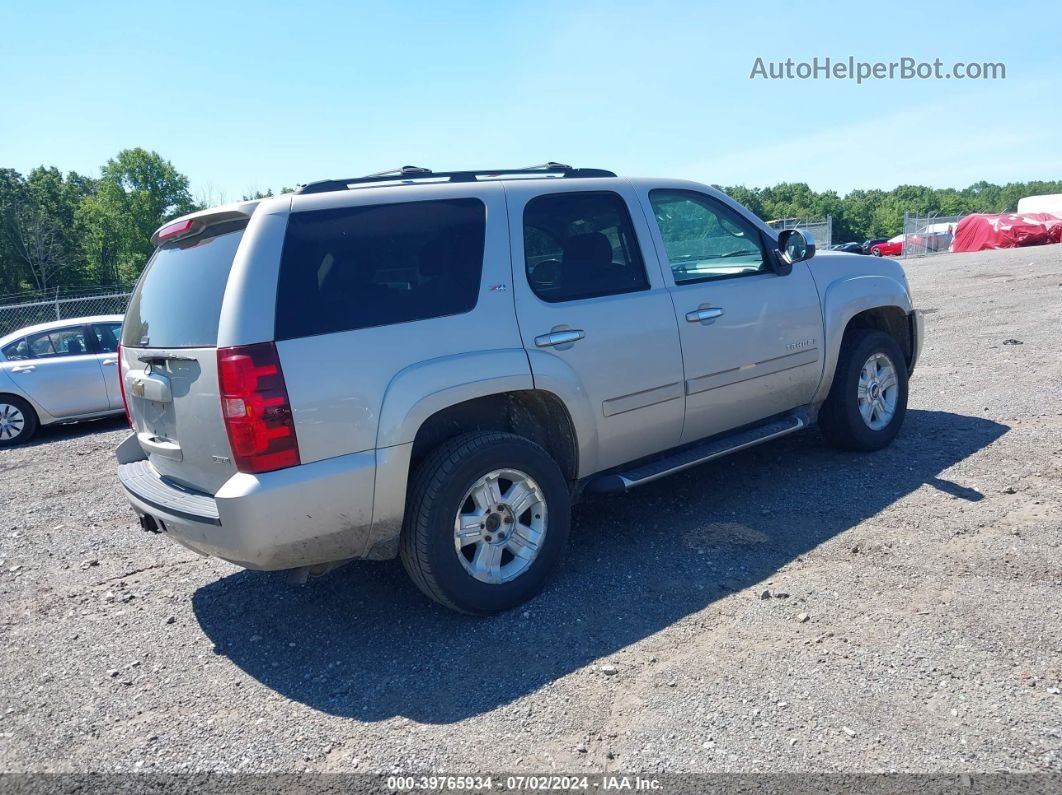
(876, 251)
(868, 398)
(486, 522)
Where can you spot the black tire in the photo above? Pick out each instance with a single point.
(437, 491)
(29, 420)
(840, 418)
(876, 251)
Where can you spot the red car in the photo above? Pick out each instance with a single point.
(928, 242)
(893, 247)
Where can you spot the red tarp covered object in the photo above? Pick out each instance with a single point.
(1007, 230)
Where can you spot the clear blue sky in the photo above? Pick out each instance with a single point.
(244, 96)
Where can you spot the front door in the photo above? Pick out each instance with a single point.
(751, 338)
(596, 323)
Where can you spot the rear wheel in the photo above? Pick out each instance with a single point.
(487, 522)
(18, 421)
(868, 398)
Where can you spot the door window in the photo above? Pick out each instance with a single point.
(581, 245)
(704, 239)
(64, 342)
(17, 350)
(108, 335)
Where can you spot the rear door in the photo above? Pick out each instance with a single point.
(589, 308)
(169, 357)
(61, 373)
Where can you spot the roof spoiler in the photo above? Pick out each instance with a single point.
(194, 223)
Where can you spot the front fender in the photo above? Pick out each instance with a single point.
(844, 299)
(8, 386)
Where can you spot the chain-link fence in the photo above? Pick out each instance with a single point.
(27, 309)
(928, 234)
(821, 229)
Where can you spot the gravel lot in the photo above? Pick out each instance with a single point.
(789, 608)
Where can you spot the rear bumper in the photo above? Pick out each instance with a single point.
(303, 516)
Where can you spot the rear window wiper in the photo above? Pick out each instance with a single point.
(147, 358)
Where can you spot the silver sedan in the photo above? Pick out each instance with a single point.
(61, 371)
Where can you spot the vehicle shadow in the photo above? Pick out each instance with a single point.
(75, 430)
(362, 642)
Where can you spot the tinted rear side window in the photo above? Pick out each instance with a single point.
(358, 267)
(581, 245)
(177, 302)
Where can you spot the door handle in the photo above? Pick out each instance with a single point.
(110, 362)
(25, 368)
(705, 313)
(559, 338)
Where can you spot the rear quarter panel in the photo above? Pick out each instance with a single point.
(249, 306)
(357, 390)
(424, 388)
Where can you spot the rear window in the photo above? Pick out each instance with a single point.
(177, 303)
(358, 267)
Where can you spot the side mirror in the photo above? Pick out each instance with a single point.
(795, 245)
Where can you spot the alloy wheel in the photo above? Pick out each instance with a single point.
(878, 391)
(500, 526)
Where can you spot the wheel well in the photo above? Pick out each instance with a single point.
(25, 402)
(534, 414)
(18, 397)
(890, 319)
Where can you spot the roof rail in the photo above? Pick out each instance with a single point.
(410, 174)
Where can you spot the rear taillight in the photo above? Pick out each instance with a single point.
(121, 386)
(254, 403)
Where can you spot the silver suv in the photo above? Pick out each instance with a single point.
(436, 365)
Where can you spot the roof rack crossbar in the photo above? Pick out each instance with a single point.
(400, 172)
(410, 174)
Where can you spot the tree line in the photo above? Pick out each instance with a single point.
(72, 231)
(864, 214)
